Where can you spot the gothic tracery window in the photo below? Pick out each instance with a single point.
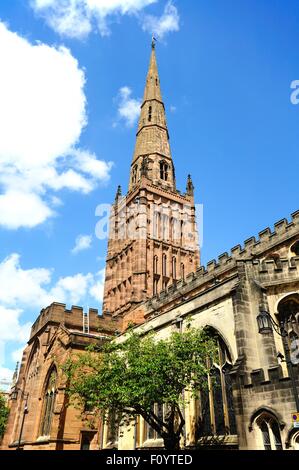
(49, 403)
(215, 406)
(270, 432)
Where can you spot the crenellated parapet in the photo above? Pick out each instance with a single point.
(253, 251)
(76, 319)
(270, 379)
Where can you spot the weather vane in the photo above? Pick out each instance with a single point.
(154, 40)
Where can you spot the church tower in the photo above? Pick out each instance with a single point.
(153, 238)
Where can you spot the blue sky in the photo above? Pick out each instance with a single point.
(70, 85)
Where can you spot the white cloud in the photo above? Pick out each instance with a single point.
(77, 18)
(97, 289)
(10, 327)
(22, 288)
(22, 209)
(128, 108)
(173, 109)
(160, 26)
(83, 242)
(41, 89)
(5, 378)
(19, 287)
(17, 354)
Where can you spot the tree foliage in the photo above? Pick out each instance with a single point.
(128, 378)
(4, 411)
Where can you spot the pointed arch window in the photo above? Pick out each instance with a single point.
(165, 227)
(149, 113)
(182, 271)
(173, 264)
(49, 403)
(155, 264)
(134, 174)
(270, 432)
(164, 171)
(156, 225)
(34, 361)
(215, 406)
(164, 265)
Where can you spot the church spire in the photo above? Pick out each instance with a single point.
(152, 139)
(152, 88)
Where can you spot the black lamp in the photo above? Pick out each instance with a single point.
(264, 322)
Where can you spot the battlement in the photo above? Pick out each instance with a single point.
(270, 378)
(253, 250)
(74, 319)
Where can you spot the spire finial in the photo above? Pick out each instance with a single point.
(15, 375)
(154, 40)
(118, 193)
(189, 187)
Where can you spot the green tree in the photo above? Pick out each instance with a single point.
(4, 411)
(129, 378)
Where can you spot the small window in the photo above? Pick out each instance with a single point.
(155, 264)
(163, 171)
(164, 265)
(182, 271)
(149, 114)
(134, 174)
(173, 267)
(86, 438)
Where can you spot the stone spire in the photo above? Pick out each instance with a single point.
(152, 139)
(152, 88)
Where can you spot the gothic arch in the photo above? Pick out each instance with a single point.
(35, 347)
(267, 426)
(266, 410)
(294, 248)
(293, 439)
(215, 414)
(290, 296)
(46, 377)
(49, 392)
(224, 338)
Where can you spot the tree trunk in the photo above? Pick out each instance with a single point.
(172, 443)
